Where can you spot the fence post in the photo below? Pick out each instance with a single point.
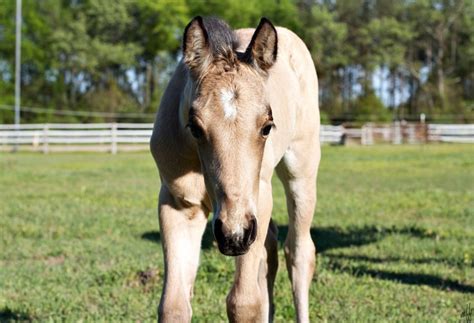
(370, 134)
(45, 139)
(36, 140)
(426, 132)
(367, 135)
(113, 140)
(363, 135)
(411, 134)
(396, 139)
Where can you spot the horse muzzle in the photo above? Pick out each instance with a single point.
(238, 243)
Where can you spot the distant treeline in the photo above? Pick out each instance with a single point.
(376, 60)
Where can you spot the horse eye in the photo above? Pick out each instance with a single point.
(266, 130)
(196, 131)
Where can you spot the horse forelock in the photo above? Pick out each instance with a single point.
(222, 39)
(223, 43)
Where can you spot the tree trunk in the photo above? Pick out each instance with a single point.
(148, 89)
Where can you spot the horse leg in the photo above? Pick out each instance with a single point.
(271, 246)
(181, 230)
(298, 173)
(250, 297)
(300, 252)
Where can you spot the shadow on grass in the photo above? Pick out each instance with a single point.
(382, 260)
(153, 236)
(326, 238)
(7, 315)
(409, 278)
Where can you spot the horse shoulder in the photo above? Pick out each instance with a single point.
(176, 159)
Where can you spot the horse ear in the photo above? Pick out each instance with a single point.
(263, 47)
(196, 52)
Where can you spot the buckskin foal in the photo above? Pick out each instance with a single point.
(239, 105)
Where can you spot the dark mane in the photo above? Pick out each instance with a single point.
(221, 37)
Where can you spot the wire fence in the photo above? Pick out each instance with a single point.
(81, 113)
(440, 117)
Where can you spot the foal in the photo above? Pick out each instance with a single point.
(240, 104)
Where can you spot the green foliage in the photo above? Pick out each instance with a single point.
(324, 118)
(245, 14)
(158, 25)
(370, 108)
(73, 50)
(388, 40)
(109, 99)
(328, 41)
(80, 238)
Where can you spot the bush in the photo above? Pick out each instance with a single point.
(324, 118)
(369, 108)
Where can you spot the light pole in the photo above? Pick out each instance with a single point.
(17, 63)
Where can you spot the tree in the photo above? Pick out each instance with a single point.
(332, 55)
(117, 55)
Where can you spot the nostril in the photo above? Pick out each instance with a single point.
(218, 234)
(234, 244)
(251, 232)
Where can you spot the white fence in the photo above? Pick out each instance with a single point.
(135, 136)
(388, 133)
(331, 134)
(451, 133)
(99, 136)
(411, 133)
(63, 137)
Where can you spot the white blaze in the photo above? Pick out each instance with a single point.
(227, 100)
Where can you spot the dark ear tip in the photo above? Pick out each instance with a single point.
(265, 20)
(196, 20)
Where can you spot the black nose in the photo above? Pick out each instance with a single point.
(235, 244)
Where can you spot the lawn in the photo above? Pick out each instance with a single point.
(394, 229)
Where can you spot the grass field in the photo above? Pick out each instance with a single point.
(394, 229)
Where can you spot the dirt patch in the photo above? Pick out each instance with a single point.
(55, 261)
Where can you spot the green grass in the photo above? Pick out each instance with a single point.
(394, 228)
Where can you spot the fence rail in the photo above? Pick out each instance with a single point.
(128, 136)
(451, 133)
(102, 136)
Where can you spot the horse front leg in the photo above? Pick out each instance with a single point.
(181, 230)
(250, 299)
(298, 171)
(300, 252)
